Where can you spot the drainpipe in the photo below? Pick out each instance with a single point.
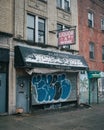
(97, 92)
(78, 82)
(13, 18)
(89, 92)
(12, 81)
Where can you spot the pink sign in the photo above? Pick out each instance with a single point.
(66, 37)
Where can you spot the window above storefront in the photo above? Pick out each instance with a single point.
(35, 29)
(90, 19)
(64, 4)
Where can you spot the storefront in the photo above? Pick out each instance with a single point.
(101, 88)
(93, 86)
(46, 77)
(4, 60)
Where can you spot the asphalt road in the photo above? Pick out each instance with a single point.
(77, 119)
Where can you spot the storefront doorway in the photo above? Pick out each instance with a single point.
(22, 94)
(3, 88)
(4, 60)
(59, 86)
(93, 90)
(2, 92)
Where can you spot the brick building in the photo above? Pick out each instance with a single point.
(91, 44)
(91, 32)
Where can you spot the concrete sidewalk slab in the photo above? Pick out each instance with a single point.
(79, 119)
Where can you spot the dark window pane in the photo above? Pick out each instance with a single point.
(30, 21)
(41, 25)
(102, 24)
(102, 53)
(3, 67)
(89, 23)
(30, 34)
(59, 27)
(30, 28)
(41, 30)
(91, 55)
(90, 19)
(91, 50)
(41, 37)
(59, 3)
(43, 0)
(66, 5)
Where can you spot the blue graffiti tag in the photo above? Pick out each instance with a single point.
(50, 88)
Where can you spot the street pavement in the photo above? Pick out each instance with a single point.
(81, 118)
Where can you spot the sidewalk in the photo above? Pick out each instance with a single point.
(77, 119)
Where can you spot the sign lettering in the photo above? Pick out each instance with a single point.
(66, 37)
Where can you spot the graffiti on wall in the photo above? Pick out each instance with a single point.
(84, 84)
(101, 89)
(50, 88)
(84, 89)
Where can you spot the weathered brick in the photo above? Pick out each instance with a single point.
(87, 34)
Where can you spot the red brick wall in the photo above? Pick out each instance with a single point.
(87, 34)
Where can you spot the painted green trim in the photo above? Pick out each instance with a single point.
(89, 93)
(94, 74)
(97, 93)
